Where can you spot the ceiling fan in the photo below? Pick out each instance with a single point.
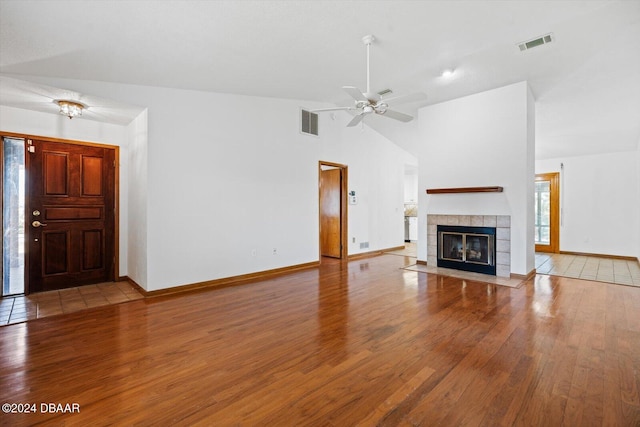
(370, 102)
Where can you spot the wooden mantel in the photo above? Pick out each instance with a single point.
(464, 190)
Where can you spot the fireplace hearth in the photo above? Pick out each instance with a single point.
(467, 248)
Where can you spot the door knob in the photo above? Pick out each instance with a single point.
(37, 224)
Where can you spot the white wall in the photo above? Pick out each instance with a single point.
(137, 202)
(56, 126)
(638, 197)
(600, 202)
(232, 174)
(481, 140)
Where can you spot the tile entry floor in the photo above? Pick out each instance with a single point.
(43, 304)
(600, 269)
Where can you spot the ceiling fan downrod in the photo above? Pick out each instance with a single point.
(367, 40)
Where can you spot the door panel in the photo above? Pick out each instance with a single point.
(91, 176)
(93, 255)
(547, 209)
(55, 246)
(56, 167)
(71, 192)
(330, 209)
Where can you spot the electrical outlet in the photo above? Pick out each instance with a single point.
(354, 240)
(254, 252)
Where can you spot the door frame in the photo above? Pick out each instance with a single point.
(344, 169)
(116, 196)
(554, 213)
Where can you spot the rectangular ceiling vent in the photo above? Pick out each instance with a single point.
(308, 122)
(536, 42)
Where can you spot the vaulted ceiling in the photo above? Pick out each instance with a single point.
(586, 82)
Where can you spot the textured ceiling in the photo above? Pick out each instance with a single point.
(586, 83)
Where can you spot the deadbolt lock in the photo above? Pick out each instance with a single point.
(36, 213)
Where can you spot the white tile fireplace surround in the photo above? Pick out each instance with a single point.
(502, 223)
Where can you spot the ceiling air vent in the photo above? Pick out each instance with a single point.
(309, 122)
(536, 42)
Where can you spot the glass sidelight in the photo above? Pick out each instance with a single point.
(543, 212)
(546, 214)
(13, 199)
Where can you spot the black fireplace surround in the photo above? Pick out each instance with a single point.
(467, 248)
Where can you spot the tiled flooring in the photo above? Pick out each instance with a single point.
(467, 275)
(43, 304)
(599, 269)
(410, 249)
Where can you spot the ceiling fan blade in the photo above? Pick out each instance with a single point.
(404, 99)
(331, 109)
(397, 115)
(355, 93)
(357, 119)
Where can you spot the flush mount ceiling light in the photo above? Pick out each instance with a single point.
(448, 73)
(70, 109)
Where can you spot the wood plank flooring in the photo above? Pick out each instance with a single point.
(359, 343)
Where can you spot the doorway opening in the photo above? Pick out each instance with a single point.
(332, 183)
(547, 212)
(410, 204)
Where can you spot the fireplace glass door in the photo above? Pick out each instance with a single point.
(477, 248)
(467, 247)
(451, 246)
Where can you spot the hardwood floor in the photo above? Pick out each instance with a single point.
(358, 343)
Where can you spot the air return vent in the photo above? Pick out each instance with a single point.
(309, 122)
(536, 42)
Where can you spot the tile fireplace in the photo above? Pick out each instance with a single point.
(476, 254)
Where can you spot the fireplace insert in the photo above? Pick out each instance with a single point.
(467, 248)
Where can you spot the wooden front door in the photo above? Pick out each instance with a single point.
(70, 216)
(547, 212)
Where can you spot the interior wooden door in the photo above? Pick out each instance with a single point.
(547, 212)
(330, 210)
(70, 215)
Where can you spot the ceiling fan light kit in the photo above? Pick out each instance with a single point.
(371, 102)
